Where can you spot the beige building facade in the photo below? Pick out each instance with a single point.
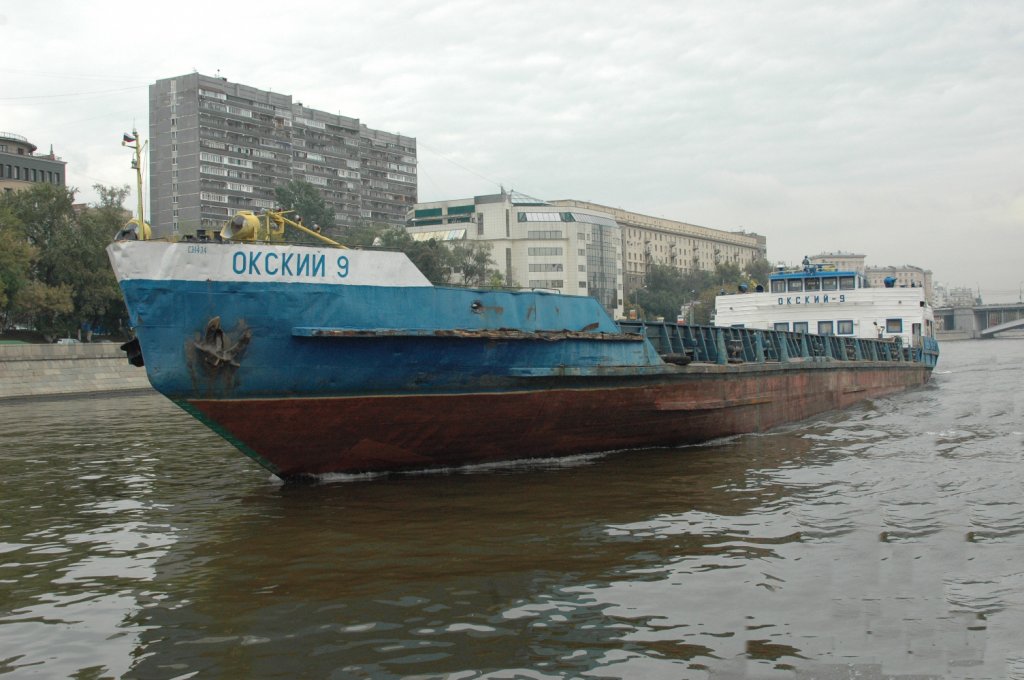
(534, 243)
(907, 276)
(847, 262)
(648, 240)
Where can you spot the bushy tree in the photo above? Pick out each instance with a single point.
(305, 200)
(758, 270)
(54, 271)
(47, 308)
(16, 258)
(97, 297)
(666, 290)
(472, 259)
(442, 262)
(34, 219)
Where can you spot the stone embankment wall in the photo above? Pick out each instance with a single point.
(58, 370)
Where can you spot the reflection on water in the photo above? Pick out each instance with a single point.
(884, 541)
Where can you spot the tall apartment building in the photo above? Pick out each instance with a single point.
(20, 167)
(218, 147)
(534, 244)
(648, 241)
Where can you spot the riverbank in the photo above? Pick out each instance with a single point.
(45, 370)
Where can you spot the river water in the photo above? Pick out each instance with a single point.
(884, 541)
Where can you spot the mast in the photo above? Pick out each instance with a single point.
(132, 142)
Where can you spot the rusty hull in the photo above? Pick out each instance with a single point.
(308, 436)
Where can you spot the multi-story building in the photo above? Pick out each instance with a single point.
(20, 168)
(961, 297)
(907, 276)
(648, 241)
(218, 147)
(847, 262)
(535, 244)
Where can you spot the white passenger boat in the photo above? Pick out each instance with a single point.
(823, 300)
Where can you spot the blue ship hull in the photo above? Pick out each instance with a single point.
(366, 366)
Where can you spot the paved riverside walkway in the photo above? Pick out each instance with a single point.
(28, 370)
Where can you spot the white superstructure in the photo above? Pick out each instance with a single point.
(822, 300)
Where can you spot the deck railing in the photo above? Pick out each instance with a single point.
(718, 345)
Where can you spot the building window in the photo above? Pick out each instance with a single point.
(799, 326)
(825, 328)
(844, 327)
(583, 284)
(479, 224)
(543, 251)
(781, 325)
(894, 325)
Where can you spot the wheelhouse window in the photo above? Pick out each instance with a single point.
(795, 285)
(781, 325)
(825, 328)
(844, 327)
(778, 286)
(812, 284)
(894, 325)
(829, 283)
(799, 326)
(847, 283)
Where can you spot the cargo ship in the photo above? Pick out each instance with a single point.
(315, 359)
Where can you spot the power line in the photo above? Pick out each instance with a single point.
(469, 170)
(66, 76)
(70, 94)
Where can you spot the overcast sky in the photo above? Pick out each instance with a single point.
(889, 128)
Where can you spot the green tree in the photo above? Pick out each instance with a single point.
(306, 201)
(46, 308)
(728, 276)
(434, 259)
(667, 290)
(32, 220)
(54, 269)
(46, 213)
(16, 257)
(758, 270)
(97, 297)
(473, 260)
(363, 235)
(431, 257)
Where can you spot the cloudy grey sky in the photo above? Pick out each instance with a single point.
(894, 128)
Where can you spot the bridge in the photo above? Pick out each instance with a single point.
(982, 321)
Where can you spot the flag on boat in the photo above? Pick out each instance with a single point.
(128, 139)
